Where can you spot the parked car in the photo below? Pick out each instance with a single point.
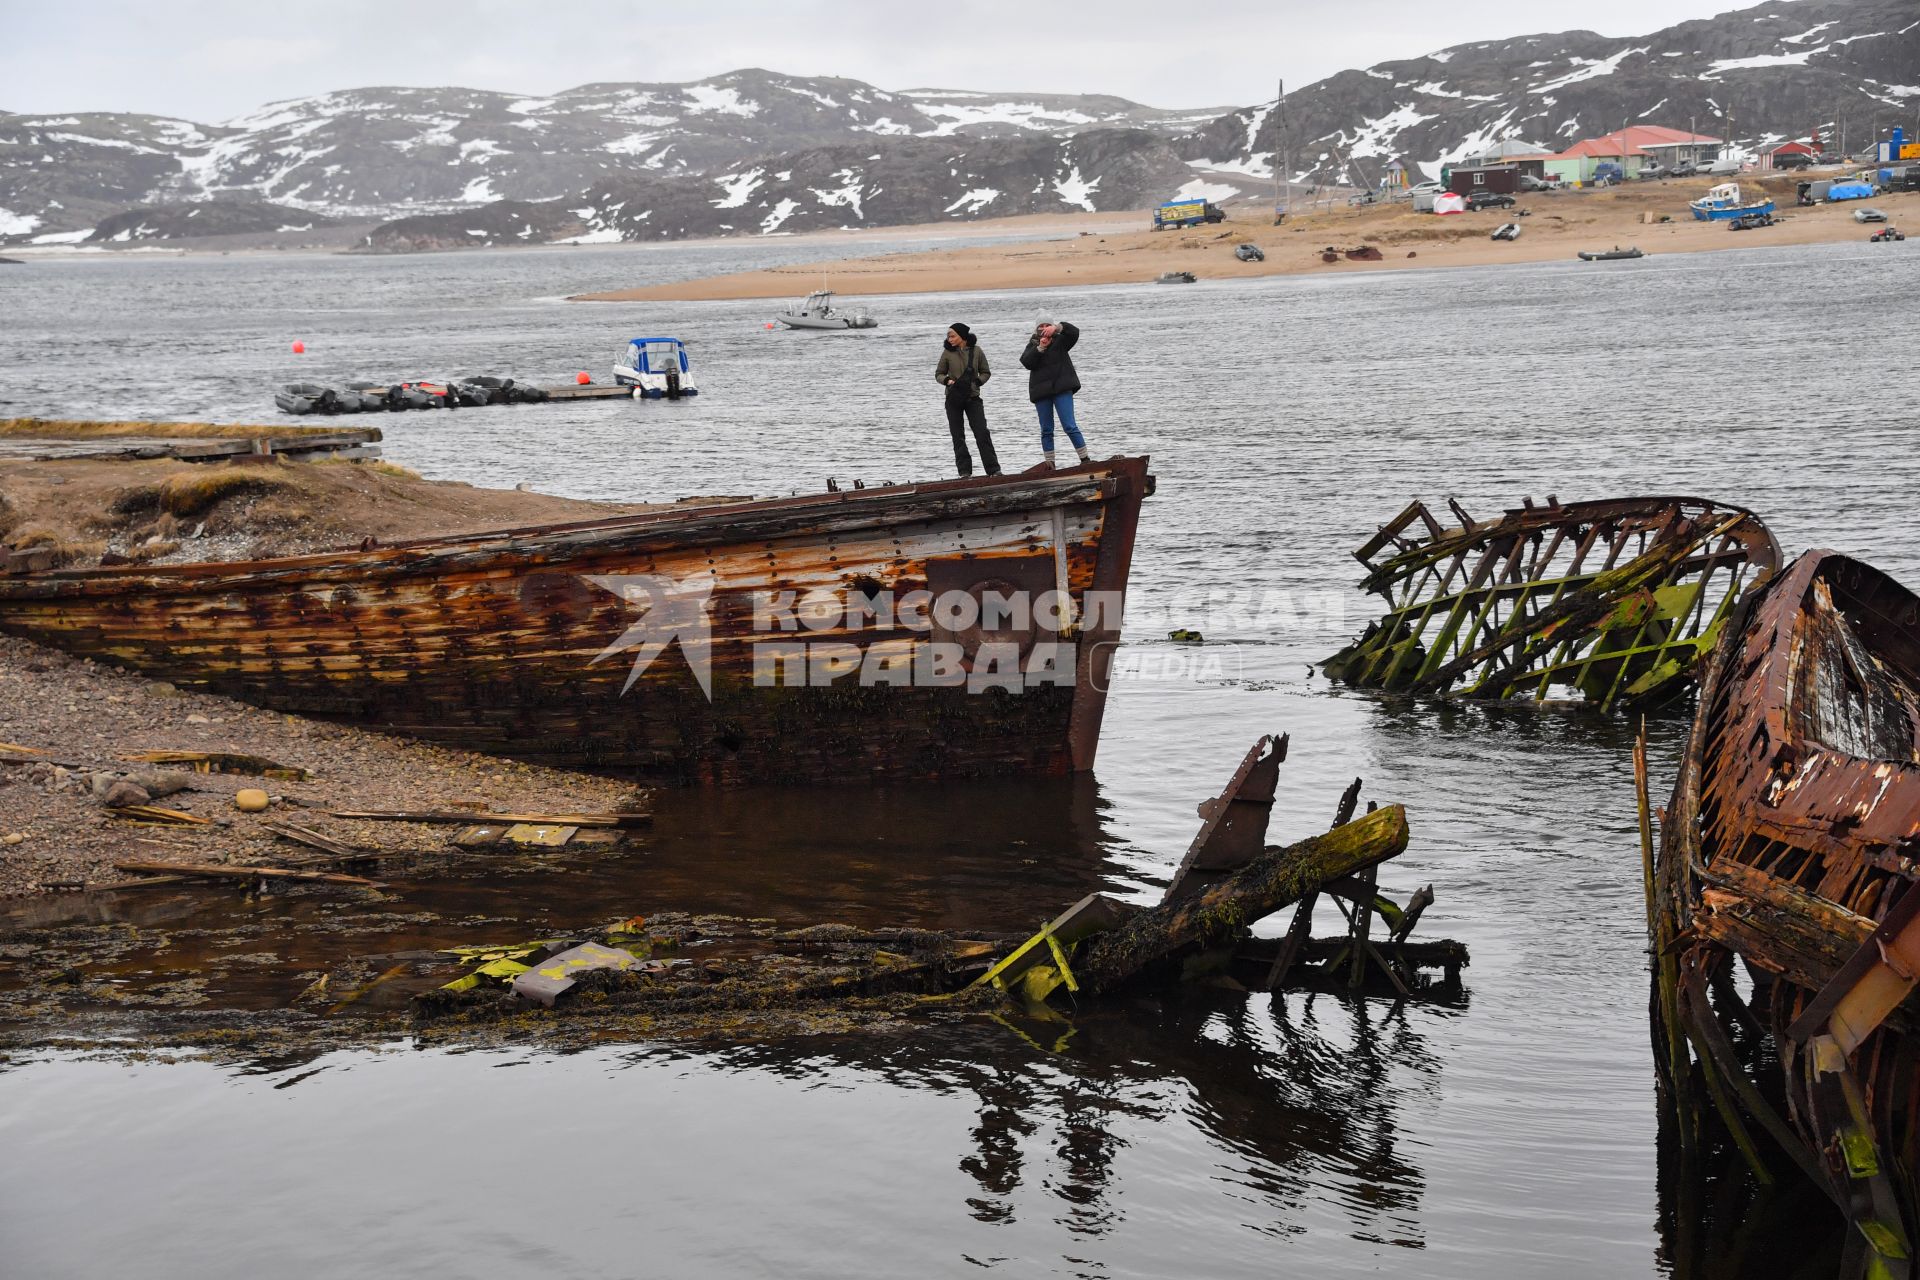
(1869, 215)
(1685, 169)
(1489, 200)
(1793, 160)
(1425, 189)
(1530, 183)
(1652, 171)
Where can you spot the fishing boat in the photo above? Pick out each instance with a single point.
(1506, 231)
(1615, 254)
(1176, 277)
(1725, 203)
(656, 369)
(306, 397)
(1784, 897)
(816, 311)
(684, 645)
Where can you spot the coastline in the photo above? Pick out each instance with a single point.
(1555, 227)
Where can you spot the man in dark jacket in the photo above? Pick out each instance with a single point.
(1051, 382)
(962, 371)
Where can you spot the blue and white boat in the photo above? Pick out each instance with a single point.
(656, 369)
(1723, 204)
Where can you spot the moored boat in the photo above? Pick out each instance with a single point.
(816, 311)
(1615, 254)
(1787, 868)
(840, 636)
(1725, 203)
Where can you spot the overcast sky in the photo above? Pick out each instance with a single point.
(213, 60)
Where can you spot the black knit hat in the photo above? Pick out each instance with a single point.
(966, 334)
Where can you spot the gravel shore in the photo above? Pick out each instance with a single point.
(66, 726)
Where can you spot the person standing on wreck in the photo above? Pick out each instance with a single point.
(1051, 382)
(963, 371)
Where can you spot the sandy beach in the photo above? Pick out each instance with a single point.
(1554, 226)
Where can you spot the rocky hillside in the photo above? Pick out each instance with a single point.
(1782, 70)
(389, 151)
(203, 218)
(873, 184)
(758, 151)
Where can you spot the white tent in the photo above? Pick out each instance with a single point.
(1447, 202)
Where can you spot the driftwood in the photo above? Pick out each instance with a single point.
(218, 871)
(1277, 878)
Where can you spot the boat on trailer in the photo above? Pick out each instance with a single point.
(663, 645)
(816, 311)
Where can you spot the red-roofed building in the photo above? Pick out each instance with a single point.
(1632, 149)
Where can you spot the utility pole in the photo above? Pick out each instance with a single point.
(1282, 167)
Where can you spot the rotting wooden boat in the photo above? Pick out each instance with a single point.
(1792, 845)
(799, 639)
(1615, 600)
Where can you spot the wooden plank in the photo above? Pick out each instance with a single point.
(314, 840)
(218, 871)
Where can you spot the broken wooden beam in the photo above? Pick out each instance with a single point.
(223, 762)
(1275, 879)
(219, 871)
(470, 817)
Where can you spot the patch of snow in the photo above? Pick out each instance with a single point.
(848, 195)
(820, 98)
(632, 144)
(605, 235)
(1375, 137)
(1437, 89)
(711, 99)
(1073, 189)
(480, 150)
(974, 201)
(1589, 69)
(1650, 110)
(119, 144)
(1379, 75)
(1201, 189)
(887, 125)
(479, 191)
(1445, 55)
(1031, 116)
(304, 226)
(1758, 60)
(781, 212)
(739, 187)
(529, 106)
(589, 213)
(474, 231)
(17, 224)
(1806, 35)
(1251, 166)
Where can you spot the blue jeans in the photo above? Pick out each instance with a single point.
(1063, 405)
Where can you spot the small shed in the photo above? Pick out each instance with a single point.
(1494, 177)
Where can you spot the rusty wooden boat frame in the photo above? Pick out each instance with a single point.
(495, 642)
(1792, 845)
(1618, 600)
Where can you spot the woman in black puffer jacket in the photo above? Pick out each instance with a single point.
(1051, 382)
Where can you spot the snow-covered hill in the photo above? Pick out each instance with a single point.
(1781, 70)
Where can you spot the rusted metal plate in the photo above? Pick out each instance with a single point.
(552, 978)
(533, 643)
(1233, 827)
(1616, 601)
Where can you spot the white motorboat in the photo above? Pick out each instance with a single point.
(818, 312)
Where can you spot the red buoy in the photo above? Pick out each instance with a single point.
(299, 348)
(582, 378)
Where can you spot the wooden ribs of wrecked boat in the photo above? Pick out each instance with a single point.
(1617, 600)
(1790, 844)
(583, 645)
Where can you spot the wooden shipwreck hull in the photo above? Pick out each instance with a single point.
(1616, 600)
(583, 644)
(1791, 843)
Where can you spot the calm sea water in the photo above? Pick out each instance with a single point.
(1510, 1136)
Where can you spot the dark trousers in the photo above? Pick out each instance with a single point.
(975, 414)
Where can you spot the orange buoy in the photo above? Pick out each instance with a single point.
(299, 348)
(769, 324)
(582, 378)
